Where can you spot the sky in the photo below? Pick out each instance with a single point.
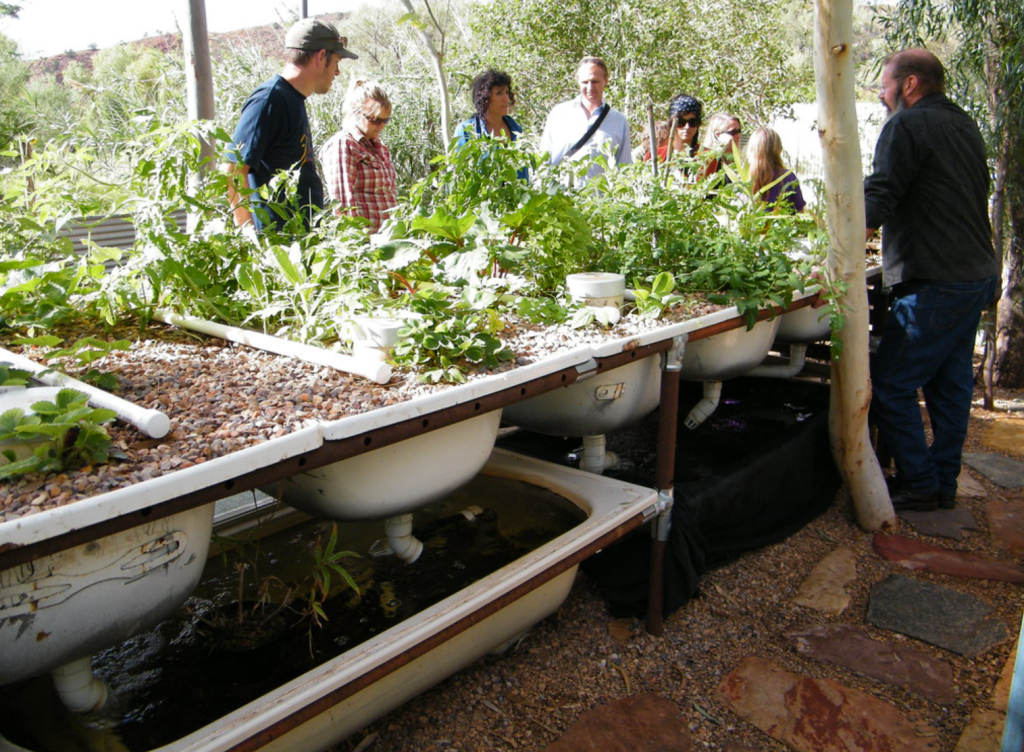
(50, 27)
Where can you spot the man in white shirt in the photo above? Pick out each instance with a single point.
(568, 122)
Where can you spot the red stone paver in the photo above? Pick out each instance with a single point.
(640, 723)
(902, 666)
(1006, 523)
(916, 554)
(819, 715)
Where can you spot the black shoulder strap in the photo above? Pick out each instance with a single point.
(590, 131)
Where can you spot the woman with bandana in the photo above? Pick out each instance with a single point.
(684, 119)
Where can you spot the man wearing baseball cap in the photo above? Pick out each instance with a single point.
(273, 131)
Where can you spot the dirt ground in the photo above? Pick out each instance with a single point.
(582, 658)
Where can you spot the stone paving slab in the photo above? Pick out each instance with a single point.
(1006, 525)
(942, 523)
(825, 587)
(1004, 471)
(819, 715)
(983, 732)
(902, 666)
(937, 615)
(639, 723)
(916, 554)
(968, 486)
(1006, 436)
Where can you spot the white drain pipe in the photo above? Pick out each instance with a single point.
(151, 422)
(703, 409)
(79, 690)
(403, 543)
(371, 369)
(797, 358)
(595, 457)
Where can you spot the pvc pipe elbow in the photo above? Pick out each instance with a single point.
(797, 358)
(79, 690)
(703, 409)
(403, 543)
(596, 459)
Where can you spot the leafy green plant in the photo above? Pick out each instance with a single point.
(10, 376)
(652, 302)
(447, 337)
(327, 565)
(84, 351)
(67, 433)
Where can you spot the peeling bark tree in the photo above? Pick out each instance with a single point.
(435, 63)
(844, 187)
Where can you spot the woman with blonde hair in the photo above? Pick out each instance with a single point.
(357, 165)
(722, 137)
(764, 160)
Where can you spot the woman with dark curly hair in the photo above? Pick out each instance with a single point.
(492, 99)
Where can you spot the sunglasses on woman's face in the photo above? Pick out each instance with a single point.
(690, 122)
(375, 120)
(733, 132)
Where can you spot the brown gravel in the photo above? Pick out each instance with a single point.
(222, 398)
(580, 658)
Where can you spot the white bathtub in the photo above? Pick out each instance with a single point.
(729, 354)
(70, 604)
(329, 703)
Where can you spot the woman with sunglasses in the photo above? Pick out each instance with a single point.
(357, 165)
(684, 120)
(723, 136)
(493, 99)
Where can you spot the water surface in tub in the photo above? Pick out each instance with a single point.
(173, 679)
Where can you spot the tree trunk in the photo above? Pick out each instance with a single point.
(844, 188)
(1009, 366)
(442, 83)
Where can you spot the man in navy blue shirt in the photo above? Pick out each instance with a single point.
(929, 193)
(273, 131)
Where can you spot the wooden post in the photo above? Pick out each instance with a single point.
(844, 188)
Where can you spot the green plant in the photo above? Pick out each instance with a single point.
(67, 433)
(447, 337)
(84, 351)
(327, 564)
(652, 302)
(10, 376)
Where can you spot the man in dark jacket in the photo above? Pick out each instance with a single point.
(929, 194)
(273, 131)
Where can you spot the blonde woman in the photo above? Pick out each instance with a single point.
(764, 159)
(357, 165)
(723, 135)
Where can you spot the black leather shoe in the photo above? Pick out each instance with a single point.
(906, 500)
(946, 498)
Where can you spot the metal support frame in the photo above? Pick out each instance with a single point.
(668, 421)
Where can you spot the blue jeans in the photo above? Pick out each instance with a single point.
(927, 344)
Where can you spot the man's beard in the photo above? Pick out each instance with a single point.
(898, 101)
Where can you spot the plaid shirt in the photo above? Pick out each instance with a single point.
(359, 174)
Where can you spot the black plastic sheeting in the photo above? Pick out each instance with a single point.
(755, 472)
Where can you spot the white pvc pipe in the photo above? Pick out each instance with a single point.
(151, 422)
(703, 409)
(797, 357)
(595, 457)
(79, 690)
(403, 544)
(369, 369)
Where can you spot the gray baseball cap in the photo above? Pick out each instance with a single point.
(311, 34)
